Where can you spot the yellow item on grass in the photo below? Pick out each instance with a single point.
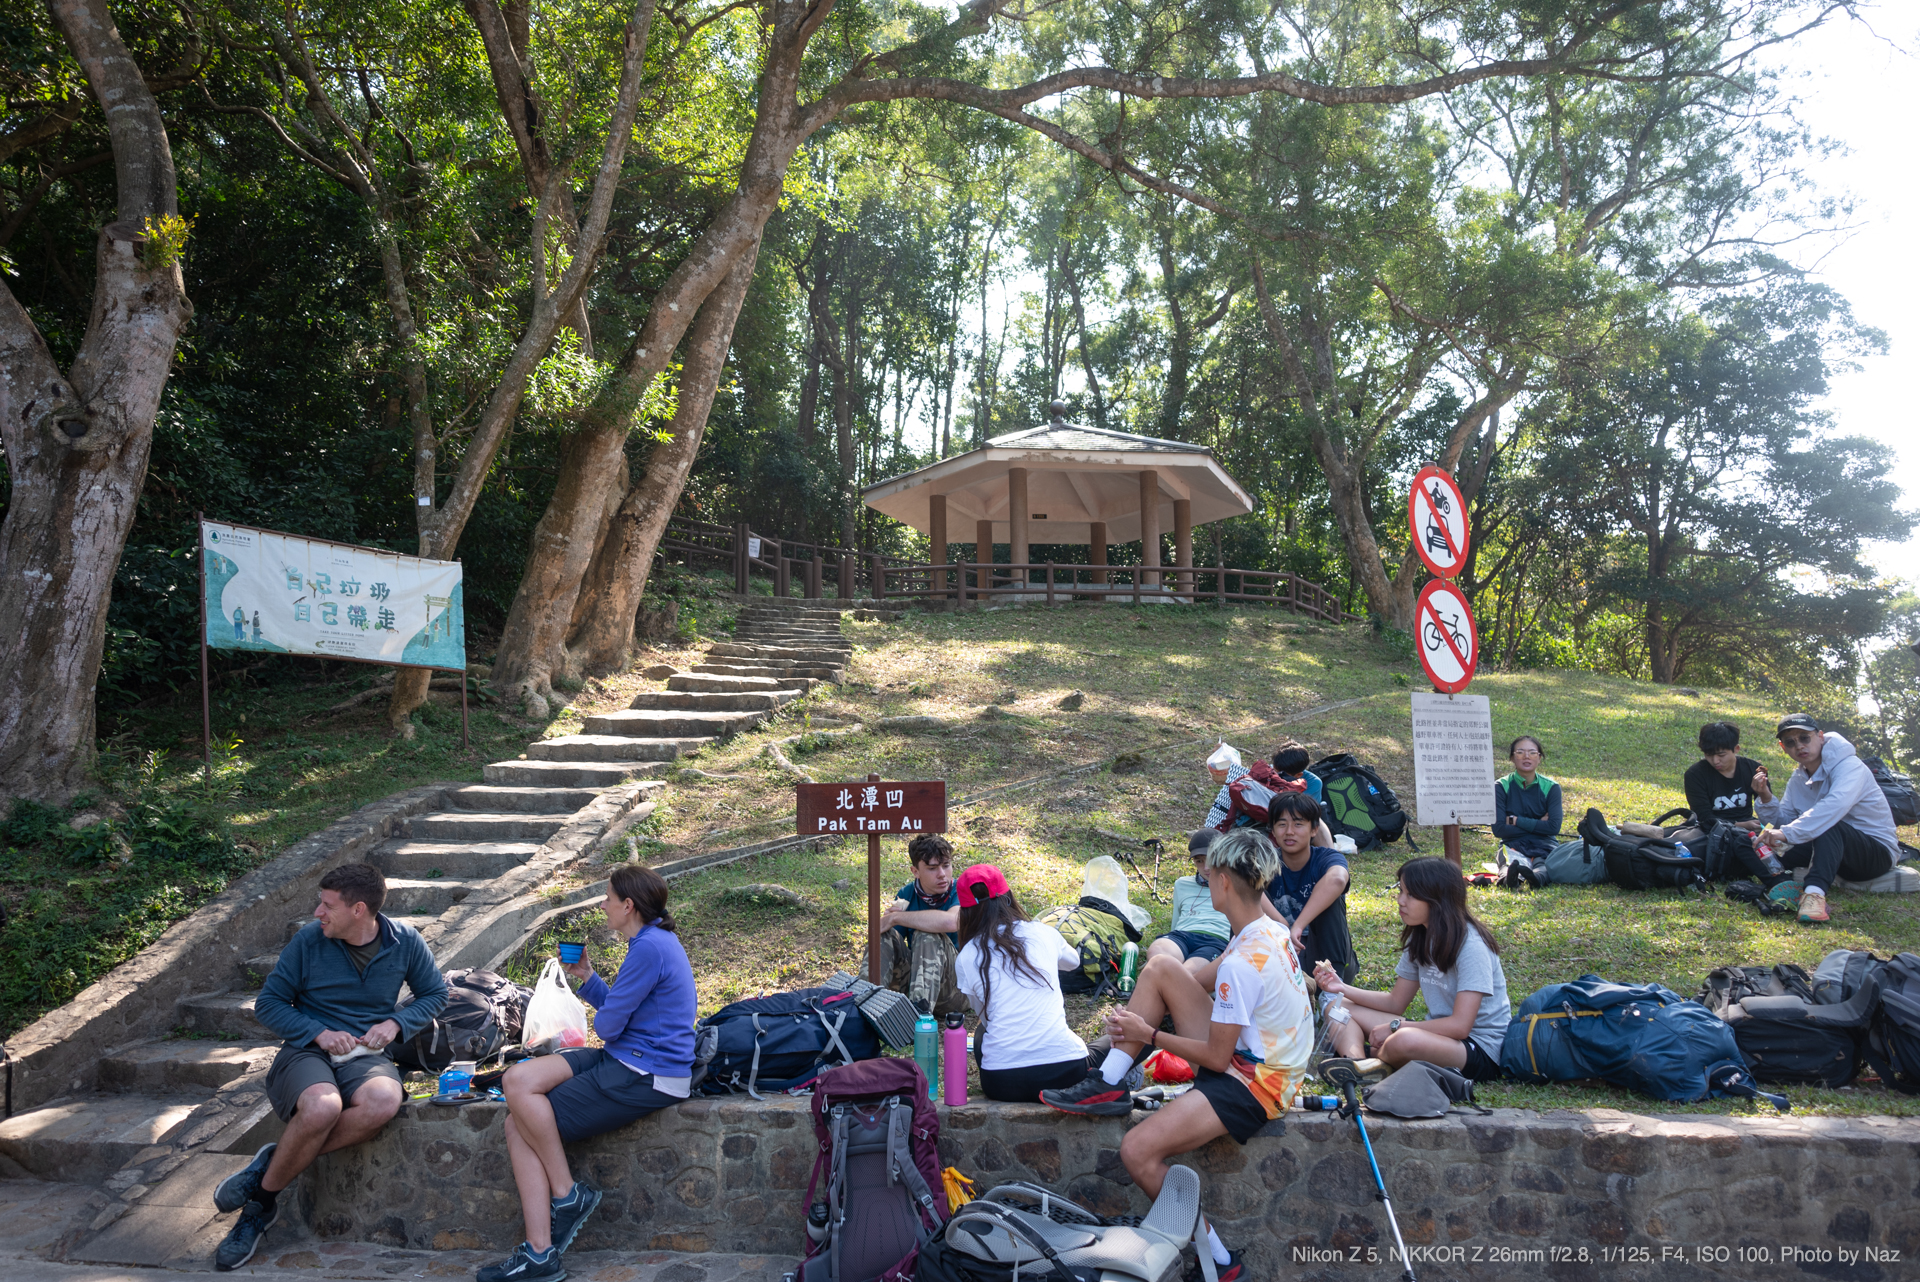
(959, 1188)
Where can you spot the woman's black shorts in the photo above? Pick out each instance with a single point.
(602, 1095)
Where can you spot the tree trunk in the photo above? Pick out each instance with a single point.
(77, 446)
(604, 643)
(592, 598)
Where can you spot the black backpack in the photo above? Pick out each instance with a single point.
(484, 1012)
(1795, 1028)
(1642, 863)
(1898, 788)
(1721, 853)
(1893, 1038)
(777, 1042)
(1357, 802)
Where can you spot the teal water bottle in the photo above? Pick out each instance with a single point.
(926, 1051)
(1129, 966)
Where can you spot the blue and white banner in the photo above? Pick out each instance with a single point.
(283, 594)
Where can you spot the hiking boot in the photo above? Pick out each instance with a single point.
(571, 1211)
(238, 1189)
(244, 1238)
(1813, 907)
(1091, 1096)
(524, 1266)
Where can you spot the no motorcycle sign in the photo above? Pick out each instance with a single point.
(1437, 511)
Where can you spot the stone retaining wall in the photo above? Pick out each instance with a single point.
(1568, 1195)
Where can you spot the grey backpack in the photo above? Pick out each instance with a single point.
(1575, 863)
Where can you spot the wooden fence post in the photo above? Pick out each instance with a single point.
(1049, 583)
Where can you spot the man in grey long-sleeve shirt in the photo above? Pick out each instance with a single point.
(1833, 821)
(334, 995)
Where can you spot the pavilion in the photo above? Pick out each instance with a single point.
(1067, 483)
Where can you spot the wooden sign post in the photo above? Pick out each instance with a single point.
(878, 809)
(1444, 634)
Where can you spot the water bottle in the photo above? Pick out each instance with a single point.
(1318, 1103)
(926, 1052)
(1334, 1009)
(953, 1056)
(1769, 860)
(1129, 966)
(817, 1223)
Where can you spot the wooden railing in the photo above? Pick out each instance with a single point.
(804, 569)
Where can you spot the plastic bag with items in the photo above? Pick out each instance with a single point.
(555, 1018)
(1106, 879)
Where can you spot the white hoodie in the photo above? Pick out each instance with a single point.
(1842, 789)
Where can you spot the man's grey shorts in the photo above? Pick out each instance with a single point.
(297, 1068)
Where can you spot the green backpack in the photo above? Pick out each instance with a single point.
(1358, 802)
(1098, 930)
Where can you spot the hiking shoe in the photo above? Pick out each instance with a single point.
(524, 1266)
(1813, 908)
(571, 1211)
(1234, 1270)
(1090, 1097)
(244, 1238)
(238, 1189)
(1787, 892)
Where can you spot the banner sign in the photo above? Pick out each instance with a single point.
(872, 808)
(284, 594)
(1452, 759)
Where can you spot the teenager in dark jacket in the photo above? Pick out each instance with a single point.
(1526, 804)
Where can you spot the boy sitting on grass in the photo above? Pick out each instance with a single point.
(1309, 890)
(1198, 932)
(919, 931)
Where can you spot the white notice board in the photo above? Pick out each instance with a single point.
(1453, 759)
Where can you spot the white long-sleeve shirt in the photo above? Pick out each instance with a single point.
(1841, 789)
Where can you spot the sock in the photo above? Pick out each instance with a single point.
(570, 1197)
(1814, 890)
(266, 1200)
(1114, 1069)
(1221, 1255)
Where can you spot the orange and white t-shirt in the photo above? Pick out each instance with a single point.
(1261, 988)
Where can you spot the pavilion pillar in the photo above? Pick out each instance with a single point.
(1017, 514)
(1149, 528)
(983, 550)
(937, 535)
(1183, 544)
(1097, 551)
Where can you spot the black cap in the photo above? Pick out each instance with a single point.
(1199, 840)
(1796, 721)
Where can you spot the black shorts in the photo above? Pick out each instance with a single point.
(1023, 1085)
(1232, 1102)
(1480, 1067)
(297, 1068)
(602, 1095)
(1192, 944)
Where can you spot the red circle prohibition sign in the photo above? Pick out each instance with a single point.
(1445, 636)
(1435, 507)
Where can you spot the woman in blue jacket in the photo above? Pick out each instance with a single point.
(645, 1022)
(1526, 804)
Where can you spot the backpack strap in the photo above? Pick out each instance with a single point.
(999, 1217)
(833, 1035)
(836, 1192)
(753, 1071)
(901, 1167)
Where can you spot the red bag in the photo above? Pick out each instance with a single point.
(1252, 793)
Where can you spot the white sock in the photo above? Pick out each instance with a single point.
(1116, 1066)
(1221, 1256)
(1814, 890)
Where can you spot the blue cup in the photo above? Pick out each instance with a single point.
(571, 953)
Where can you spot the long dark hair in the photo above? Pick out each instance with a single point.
(646, 890)
(992, 923)
(1440, 885)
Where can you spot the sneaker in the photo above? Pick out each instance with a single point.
(238, 1189)
(1787, 892)
(524, 1266)
(1090, 1097)
(1813, 907)
(244, 1238)
(1234, 1270)
(570, 1212)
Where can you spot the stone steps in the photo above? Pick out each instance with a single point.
(469, 860)
(426, 896)
(478, 825)
(715, 700)
(182, 1067)
(227, 1015)
(654, 723)
(818, 657)
(575, 774)
(85, 1139)
(519, 799)
(783, 669)
(592, 747)
(710, 683)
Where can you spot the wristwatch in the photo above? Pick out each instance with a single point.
(1393, 1026)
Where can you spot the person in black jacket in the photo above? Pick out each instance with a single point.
(1526, 804)
(1723, 784)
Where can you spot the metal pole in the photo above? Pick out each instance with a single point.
(1449, 833)
(873, 902)
(206, 703)
(466, 744)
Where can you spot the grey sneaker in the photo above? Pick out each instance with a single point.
(571, 1211)
(244, 1238)
(524, 1266)
(238, 1189)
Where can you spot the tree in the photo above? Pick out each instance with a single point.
(77, 440)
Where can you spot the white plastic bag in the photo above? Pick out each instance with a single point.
(1107, 880)
(555, 1018)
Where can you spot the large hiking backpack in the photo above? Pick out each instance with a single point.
(1722, 854)
(1642, 863)
(1099, 930)
(1787, 1030)
(1575, 863)
(1641, 1036)
(484, 1012)
(1249, 796)
(781, 1041)
(1893, 1038)
(879, 1162)
(1357, 802)
(1902, 800)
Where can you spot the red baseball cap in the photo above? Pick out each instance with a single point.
(980, 883)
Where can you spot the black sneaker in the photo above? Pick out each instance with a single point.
(522, 1267)
(1091, 1096)
(238, 1189)
(568, 1219)
(244, 1238)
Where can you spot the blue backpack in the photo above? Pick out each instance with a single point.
(778, 1042)
(1641, 1036)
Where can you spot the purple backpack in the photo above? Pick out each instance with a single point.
(880, 1162)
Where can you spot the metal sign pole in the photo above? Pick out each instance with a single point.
(206, 703)
(1449, 833)
(873, 902)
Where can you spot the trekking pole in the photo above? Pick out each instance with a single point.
(1343, 1074)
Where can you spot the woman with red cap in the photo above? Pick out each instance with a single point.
(1009, 968)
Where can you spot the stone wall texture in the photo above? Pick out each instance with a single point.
(1564, 1195)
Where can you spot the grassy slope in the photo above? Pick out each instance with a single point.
(1165, 681)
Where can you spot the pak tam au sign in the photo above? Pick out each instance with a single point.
(875, 808)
